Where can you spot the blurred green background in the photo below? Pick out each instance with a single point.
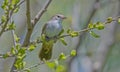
(94, 54)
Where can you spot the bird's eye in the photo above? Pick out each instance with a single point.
(58, 16)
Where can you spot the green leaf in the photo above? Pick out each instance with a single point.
(119, 20)
(56, 62)
(74, 34)
(99, 26)
(73, 53)
(23, 64)
(51, 64)
(18, 46)
(21, 51)
(11, 26)
(27, 70)
(5, 5)
(15, 2)
(61, 32)
(109, 19)
(94, 34)
(43, 37)
(11, 7)
(5, 56)
(62, 56)
(21, 56)
(63, 41)
(17, 39)
(90, 25)
(6, 2)
(31, 47)
(13, 51)
(68, 31)
(3, 19)
(16, 10)
(18, 63)
(60, 68)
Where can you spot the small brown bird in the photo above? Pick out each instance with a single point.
(51, 29)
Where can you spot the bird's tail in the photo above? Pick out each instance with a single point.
(46, 51)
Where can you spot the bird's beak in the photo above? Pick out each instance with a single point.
(64, 17)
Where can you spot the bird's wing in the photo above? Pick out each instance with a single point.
(43, 29)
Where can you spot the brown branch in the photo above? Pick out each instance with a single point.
(34, 21)
(84, 30)
(41, 12)
(29, 25)
(28, 14)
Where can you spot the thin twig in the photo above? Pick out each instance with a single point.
(41, 12)
(42, 62)
(5, 25)
(14, 42)
(84, 30)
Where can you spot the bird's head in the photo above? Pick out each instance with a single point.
(58, 17)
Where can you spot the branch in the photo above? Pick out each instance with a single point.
(14, 41)
(41, 12)
(34, 21)
(5, 25)
(84, 30)
(38, 40)
(38, 64)
(28, 14)
(29, 25)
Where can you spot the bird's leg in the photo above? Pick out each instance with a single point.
(47, 38)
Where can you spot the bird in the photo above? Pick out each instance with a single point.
(50, 30)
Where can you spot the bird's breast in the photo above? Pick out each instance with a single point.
(53, 29)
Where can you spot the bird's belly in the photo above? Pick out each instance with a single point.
(52, 31)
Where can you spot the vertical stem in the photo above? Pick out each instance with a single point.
(29, 25)
(28, 14)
